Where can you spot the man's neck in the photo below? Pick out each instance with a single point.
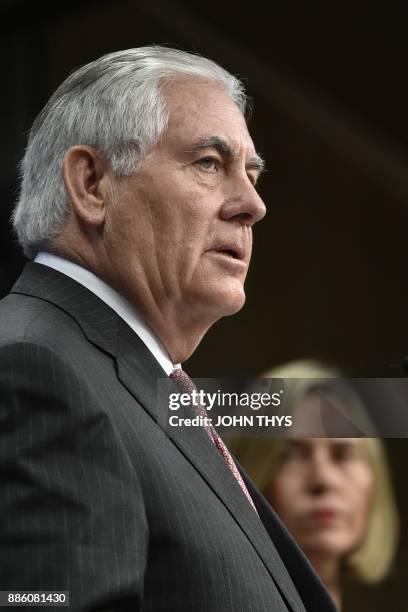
(128, 312)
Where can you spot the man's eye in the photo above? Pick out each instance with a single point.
(209, 164)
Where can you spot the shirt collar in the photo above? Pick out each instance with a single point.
(113, 299)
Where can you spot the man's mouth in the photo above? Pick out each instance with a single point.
(229, 253)
(232, 251)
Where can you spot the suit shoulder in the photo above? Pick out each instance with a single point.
(41, 343)
(40, 372)
(28, 319)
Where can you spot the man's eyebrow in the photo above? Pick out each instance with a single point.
(256, 163)
(215, 142)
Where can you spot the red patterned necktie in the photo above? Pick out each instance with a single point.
(186, 385)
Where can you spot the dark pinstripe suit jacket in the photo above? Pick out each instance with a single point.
(97, 499)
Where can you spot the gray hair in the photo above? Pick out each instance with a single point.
(115, 105)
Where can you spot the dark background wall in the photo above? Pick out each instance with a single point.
(328, 277)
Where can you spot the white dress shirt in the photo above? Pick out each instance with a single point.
(113, 299)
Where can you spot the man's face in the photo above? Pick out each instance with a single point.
(182, 224)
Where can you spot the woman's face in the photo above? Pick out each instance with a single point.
(322, 490)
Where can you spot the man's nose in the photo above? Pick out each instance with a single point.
(244, 204)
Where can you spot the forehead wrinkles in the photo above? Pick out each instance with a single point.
(200, 109)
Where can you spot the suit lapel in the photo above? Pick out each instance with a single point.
(139, 372)
(98, 322)
(140, 377)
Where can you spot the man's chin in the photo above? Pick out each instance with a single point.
(214, 302)
(229, 303)
(235, 307)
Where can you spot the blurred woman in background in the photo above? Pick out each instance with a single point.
(333, 494)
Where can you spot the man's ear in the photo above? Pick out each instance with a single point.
(88, 183)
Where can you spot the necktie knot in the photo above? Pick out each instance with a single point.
(183, 381)
(186, 385)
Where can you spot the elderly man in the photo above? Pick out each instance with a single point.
(137, 205)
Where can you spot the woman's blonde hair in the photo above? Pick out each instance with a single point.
(260, 457)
